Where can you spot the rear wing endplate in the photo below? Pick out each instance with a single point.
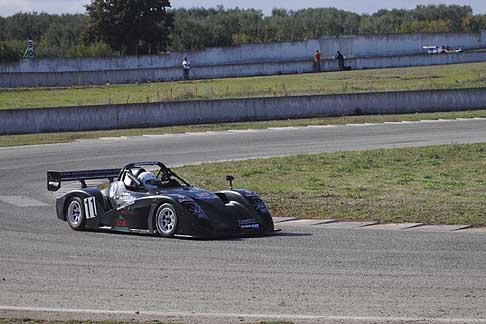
(55, 178)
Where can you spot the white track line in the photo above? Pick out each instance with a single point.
(283, 128)
(113, 138)
(242, 315)
(242, 130)
(405, 122)
(158, 136)
(323, 126)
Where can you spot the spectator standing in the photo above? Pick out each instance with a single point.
(317, 61)
(340, 58)
(186, 67)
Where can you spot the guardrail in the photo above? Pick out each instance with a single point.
(86, 118)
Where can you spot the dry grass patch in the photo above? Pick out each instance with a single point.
(452, 76)
(435, 185)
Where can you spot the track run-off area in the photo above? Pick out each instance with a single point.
(302, 274)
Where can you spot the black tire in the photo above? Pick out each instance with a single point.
(166, 220)
(75, 214)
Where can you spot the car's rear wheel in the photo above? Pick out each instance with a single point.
(166, 220)
(75, 215)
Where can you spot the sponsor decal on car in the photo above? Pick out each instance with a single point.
(90, 207)
(248, 223)
(120, 222)
(253, 226)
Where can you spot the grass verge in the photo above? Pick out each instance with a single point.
(413, 78)
(49, 138)
(434, 185)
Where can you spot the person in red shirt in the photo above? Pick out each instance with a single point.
(317, 61)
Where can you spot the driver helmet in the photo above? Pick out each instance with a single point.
(148, 180)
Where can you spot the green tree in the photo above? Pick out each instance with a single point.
(27, 25)
(8, 53)
(3, 24)
(474, 23)
(431, 26)
(63, 34)
(143, 26)
(131, 26)
(453, 13)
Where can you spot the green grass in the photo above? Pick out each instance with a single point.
(49, 138)
(434, 185)
(415, 78)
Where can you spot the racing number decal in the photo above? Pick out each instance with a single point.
(90, 207)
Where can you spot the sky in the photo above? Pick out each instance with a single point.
(9, 7)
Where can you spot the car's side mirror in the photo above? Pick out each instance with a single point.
(230, 179)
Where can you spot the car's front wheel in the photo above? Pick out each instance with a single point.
(166, 220)
(75, 215)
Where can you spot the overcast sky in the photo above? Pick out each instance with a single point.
(9, 7)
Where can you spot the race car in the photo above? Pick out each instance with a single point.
(148, 197)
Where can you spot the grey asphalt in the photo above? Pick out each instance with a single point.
(302, 274)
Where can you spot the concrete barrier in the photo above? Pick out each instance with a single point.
(50, 79)
(24, 121)
(350, 45)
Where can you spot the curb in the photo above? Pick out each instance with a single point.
(374, 225)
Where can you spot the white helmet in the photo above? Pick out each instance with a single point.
(148, 179)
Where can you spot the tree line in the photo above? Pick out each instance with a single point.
(120, 27)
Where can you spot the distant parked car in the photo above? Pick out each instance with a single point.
(433, 49)
(450, 50)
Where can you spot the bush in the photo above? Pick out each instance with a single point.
(8, 53)
(98, 49)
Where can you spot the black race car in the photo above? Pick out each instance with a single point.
(148, 197)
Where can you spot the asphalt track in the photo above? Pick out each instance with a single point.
(303, 274)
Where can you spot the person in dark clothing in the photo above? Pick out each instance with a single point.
(340, 58)
(317, 61)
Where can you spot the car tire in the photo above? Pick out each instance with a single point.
(166, 220)
(75, 215)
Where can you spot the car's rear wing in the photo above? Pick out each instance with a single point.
(55, 178)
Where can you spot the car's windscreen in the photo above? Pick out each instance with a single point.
(164, 177)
